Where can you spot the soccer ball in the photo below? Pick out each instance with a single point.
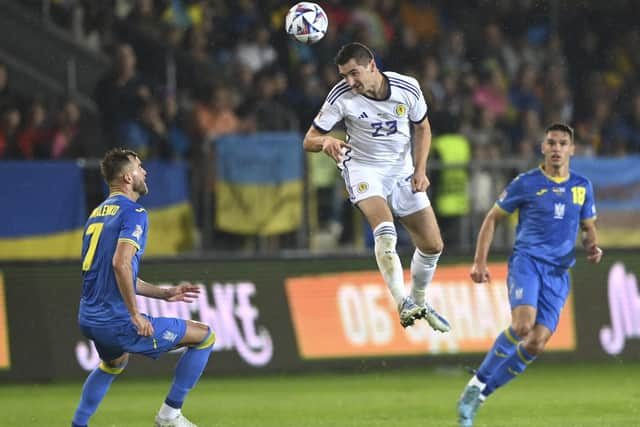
(306, 22)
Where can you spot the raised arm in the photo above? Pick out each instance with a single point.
(479, 271)
(183, 292)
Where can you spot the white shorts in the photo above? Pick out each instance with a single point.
(363, 181)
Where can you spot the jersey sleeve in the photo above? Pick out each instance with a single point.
(589, 207)
(513, 196)
(418, 110)
(134, 227)
(327, 117)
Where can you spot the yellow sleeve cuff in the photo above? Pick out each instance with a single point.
(131, 242)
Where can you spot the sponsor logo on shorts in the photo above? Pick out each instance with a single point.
(519, 293)
(362, 187)
(169, 336)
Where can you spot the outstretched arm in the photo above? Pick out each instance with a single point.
(479, 271)
(590, 241)
(315, 141)
(183, 292)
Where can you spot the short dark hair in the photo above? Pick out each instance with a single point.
(114, 162)
(562, 128)
(355, 50)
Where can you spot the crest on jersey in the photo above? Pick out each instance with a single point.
(137, 232)
(362, 187)
(558, 210)
(503, 195)
(401, 110)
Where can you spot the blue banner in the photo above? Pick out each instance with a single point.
(616, 180)
(40, 198)
(259, 183)
(171, 222)
(43, 209)
(168, 184)
(262, 158)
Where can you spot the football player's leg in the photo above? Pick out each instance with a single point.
(425, 234)
(96, 387)
(526, 352)
(535, 327)
(378, 214)
(199, 339)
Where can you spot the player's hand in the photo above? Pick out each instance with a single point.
(480, 273)
(142, 324)
(186, 292)
(594, 254)
(333, 147)
(419, 182)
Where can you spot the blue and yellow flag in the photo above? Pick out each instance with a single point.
(171, 222)
(42, 210)
(259, 183)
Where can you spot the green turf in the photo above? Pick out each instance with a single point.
(546, 395)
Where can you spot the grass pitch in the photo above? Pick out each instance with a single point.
(546, 395)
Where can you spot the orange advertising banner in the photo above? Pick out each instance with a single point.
(353, 315)
(4, 329)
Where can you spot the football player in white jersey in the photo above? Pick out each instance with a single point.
(378, 110)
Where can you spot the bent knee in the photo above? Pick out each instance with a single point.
(114, 366)
(522, 329)
(208, 341)
(199, 335)
(535, 345)
(432, 248)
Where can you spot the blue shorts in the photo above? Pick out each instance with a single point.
(113, 342)
(541, 285)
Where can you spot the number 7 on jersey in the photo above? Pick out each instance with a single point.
(94, 231)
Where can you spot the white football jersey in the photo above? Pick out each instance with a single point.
(378, 130)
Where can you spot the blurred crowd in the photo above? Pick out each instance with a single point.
(495, 72)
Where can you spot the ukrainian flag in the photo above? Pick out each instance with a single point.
(171, 221)
(42, 210)
(259, 183)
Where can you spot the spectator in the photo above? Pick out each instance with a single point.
(255, 51)
(269, 113)
(120, 93)
(64, 136)
(10, 118)
(148, 134)
(34, 139)
(491, 92)
(214, 116)
(7, 98)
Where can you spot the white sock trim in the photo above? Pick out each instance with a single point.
(476, 382)
(423, 267)
(388, 261)
(166, 412)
